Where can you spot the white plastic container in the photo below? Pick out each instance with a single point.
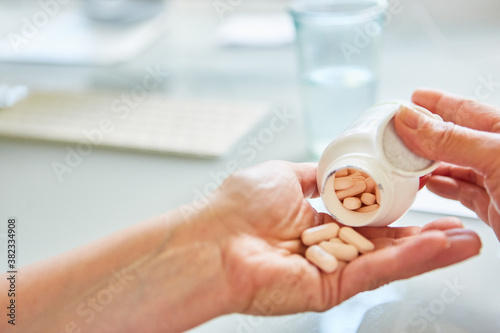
(372, 146)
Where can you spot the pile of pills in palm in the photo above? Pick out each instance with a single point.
(328, 243)
(356, 190)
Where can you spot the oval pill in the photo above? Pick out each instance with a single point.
(370, 185)
(358, 178)
(320, 233)
(353, 172)
(342, 183)
(352, 203)
(341, 173)
(351, 236)
(322, 259)
(368, 198)
(368, 209)
(357, 188)
(344, 252)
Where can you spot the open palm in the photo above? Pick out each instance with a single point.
(268, 276)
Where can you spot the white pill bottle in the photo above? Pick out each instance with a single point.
(371, 146)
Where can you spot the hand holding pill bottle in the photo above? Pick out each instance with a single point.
(367, 176)
(469, 145)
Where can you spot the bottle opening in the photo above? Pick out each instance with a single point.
(354, 196)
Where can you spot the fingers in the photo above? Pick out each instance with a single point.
(402, 232)
(447, 142)
(428, 251)
(392, 263)
(461, 111)
(463, 245)
(423, 180)
(388, 232)
(465, 174)
(470, 195)
(390, 236)
(306, 175)
(444, 223)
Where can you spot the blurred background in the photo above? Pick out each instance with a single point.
(235, 52)
(200, 44)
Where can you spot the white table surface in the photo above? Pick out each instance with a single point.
(112, 189)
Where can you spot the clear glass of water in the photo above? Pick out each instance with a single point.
(337, 45)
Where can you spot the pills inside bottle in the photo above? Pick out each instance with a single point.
(357, 191)
(367, 176)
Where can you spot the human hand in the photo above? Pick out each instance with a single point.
(231, 253)
(264, 209)
(469, 141)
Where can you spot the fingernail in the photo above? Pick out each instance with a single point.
(411, 117)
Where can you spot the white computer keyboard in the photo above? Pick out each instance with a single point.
(160, 124)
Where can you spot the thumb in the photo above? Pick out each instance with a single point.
(447, 142)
